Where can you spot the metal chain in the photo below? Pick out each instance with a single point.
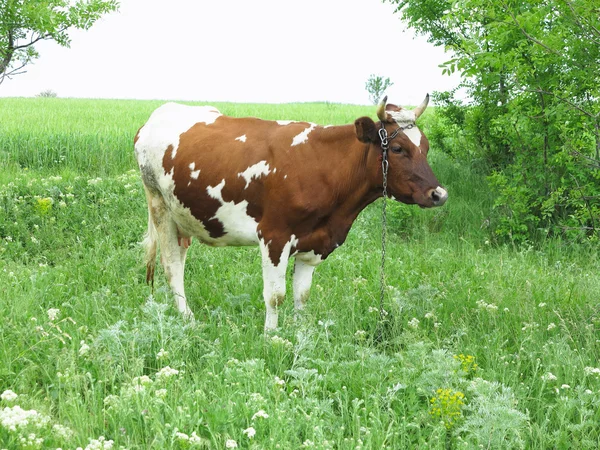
(384, 169)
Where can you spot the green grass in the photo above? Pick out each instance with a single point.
(528, 317)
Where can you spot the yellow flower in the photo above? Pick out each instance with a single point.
(447, 406)
(467, 363)
(43, 205)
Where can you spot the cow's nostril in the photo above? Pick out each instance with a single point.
(435, 196)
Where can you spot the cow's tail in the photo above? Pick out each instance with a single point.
(149, 243)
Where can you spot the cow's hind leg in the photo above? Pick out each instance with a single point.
(274, 264)
(149, 243)
(172, 255)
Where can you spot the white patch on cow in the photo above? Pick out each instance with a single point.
(255, 171)
(274, 169)
(303, 137)
(166, 124)
(239, 227)
(285, 176)
(285, 122)
(274, 279)
(241, 138)
(195, 173)
(414, 134)
(404, 118)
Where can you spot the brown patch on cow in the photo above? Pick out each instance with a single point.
(192, 192)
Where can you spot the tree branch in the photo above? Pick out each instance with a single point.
(536, 41)
(594, 29)
(573, 105)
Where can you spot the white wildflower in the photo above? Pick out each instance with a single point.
(162, 353)
(250, 432)
(53, 313)
(181, 436)
(565, 386)
(260, 414)
(62, 204)
(373, 309)
(484, 305)
(61, 431)
(276, 340)
(592, 370)
(8, 396)
(34, 240)
(437, 324)
(144, 380)
(161, 393)
(279, 381)
(326, 324)
(84, 348)
(99, 444)
(429, 315)
(17, 417)
(541, 305)
(549, 377)
(230, 443)
(360, 334)
(195, 439)
(551, 326)
(414, 323)
(166, 372)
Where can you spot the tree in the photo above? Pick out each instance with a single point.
(23, 23)
(531, 71)
(376, 85)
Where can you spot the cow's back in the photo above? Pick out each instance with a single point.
(209, 169)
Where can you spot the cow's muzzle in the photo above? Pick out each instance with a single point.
(438, 196)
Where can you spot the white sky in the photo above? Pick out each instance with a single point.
(239, 51)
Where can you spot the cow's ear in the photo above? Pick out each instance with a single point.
(366, 131)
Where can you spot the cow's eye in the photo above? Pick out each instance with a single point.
(397, 149)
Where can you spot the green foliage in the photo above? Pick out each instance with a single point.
(25, 22)
(104, 361)
(376, 86)
(533, 122)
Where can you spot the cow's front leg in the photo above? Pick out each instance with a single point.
(303, 273)
(275, 256)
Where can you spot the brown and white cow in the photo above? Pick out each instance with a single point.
(292, 188)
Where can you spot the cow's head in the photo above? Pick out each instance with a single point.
(410, 178)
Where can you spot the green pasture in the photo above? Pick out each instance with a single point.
(484, 346)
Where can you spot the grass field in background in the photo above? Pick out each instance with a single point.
(484, 345)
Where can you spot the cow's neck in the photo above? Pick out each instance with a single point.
(353, 169)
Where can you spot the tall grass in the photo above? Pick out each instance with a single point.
(483, 345)
(96, 136)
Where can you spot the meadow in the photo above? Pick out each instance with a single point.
(484, 344)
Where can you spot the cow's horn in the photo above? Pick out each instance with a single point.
(381, 112)
(419, 109)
